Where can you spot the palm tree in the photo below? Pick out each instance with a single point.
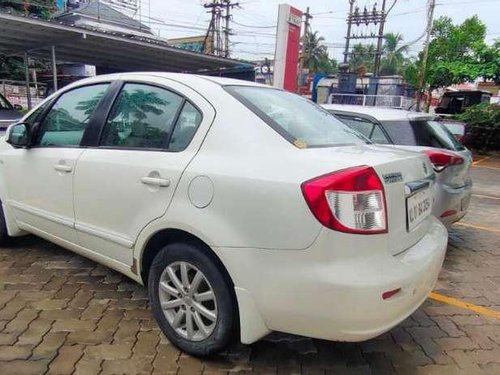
(314, 50)
(393, 54)
(362, 55)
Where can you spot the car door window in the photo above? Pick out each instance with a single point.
(378, 136)
(68, 118)
(142, 116)
(359, 124)
(187, 124)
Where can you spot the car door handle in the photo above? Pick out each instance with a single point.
(63, 168)
(155, 181)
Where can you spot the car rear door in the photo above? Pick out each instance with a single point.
(128, 178)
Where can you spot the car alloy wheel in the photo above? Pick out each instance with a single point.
(188, 301)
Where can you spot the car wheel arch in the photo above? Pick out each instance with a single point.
(164, 237)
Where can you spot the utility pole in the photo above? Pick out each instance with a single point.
(227, 30)
(423, 68)
(348, 35)
(303, 51)
(365, 17)
(376, 68)
(219, 9)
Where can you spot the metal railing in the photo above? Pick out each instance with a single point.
(391, 101)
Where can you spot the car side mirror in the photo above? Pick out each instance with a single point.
(18, 107)
(18, 135)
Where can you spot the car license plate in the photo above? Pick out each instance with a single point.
(418, 207)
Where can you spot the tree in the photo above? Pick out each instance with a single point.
(393, 54)
(454, 52)
(39, 8)
(314, 50)
(362, 55)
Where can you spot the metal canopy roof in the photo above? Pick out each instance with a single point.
(112, 50)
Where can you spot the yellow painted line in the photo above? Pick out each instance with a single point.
(489, 229)
(485, 196)
(465, 305)
(481, 160)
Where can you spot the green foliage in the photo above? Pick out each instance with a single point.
(40, 8)
(393, 54)
(457, 53)
(362, 55)
(483, 126)
(315, 55)
(11, 67)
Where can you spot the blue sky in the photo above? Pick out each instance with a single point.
(254, 22)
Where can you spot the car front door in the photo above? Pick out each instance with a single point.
(128, 179)
(40, 178)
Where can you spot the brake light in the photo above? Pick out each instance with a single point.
(442, 159)
(351, 200)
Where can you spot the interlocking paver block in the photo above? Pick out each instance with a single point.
(109, 351)
(66, 359)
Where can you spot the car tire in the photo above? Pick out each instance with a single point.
(212, 320)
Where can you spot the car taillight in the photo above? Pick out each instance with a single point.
(351, 200)
(442, 159)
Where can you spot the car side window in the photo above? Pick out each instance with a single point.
(68, 118)
(142, 116)
(188, 122)
(378, 136)
(357, 123)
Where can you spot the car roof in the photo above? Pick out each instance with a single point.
(379, 113)
(189, 79)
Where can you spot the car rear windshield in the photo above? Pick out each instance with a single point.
(297, 119)
(422, 133)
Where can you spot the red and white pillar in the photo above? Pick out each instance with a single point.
(286, 60)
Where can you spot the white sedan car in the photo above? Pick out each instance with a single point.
(238, 205)
(418, 131)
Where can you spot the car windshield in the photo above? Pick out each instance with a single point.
(297, 119)
(4, 104)
(421, 132)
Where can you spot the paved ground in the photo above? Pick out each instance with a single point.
(63, 314)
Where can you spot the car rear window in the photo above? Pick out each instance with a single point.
(422, 133)
(297, 119)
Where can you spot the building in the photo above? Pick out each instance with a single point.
(97, 15)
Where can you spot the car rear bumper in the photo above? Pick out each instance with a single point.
(313, 293)
(451, 203)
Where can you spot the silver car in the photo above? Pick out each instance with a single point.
(420, 132)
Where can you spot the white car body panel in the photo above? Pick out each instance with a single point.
(237, 188)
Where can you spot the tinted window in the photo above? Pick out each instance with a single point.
(297, 119)
(401, 132)
(33, 115)
(142, 117)
(68, 118)
(369, 129)
(361, 125)
(422, 133)
(378, 136)
(186, 126)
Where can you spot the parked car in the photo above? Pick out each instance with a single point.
(459, 129)
(237, 204)
(419, 132)
(9, 113)
(453, 102)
